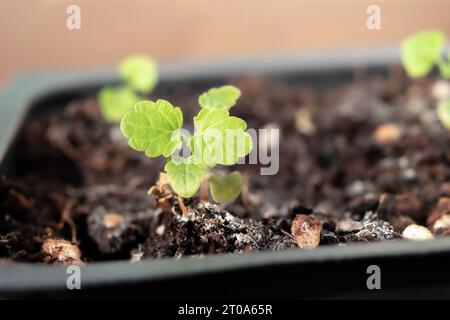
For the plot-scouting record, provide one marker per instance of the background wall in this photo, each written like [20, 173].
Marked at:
[33, 33]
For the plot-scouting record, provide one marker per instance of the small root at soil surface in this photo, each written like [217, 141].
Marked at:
[65, 218]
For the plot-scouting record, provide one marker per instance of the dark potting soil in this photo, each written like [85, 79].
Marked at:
[364, 159]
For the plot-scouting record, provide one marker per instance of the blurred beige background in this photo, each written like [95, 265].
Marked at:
[33, 33]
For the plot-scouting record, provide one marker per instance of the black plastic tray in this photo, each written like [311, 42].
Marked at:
[409, 269]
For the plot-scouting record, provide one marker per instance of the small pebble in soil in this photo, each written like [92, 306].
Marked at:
[160, 230]
[347, 226]
[61, 251]
[112, 220]
[441, 90]
[358, 188]
[439, 217]
[387, 133]
[417, 232]
[409, 175]
[304, 122]
[306, 231]
[443, 223]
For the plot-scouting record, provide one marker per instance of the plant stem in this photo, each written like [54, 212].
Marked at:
[204, 192]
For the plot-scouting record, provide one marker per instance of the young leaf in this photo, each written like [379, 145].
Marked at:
[219, 98]
[152, 127]
[219, 138]
[185, 176]
[420, 52]
[140, 72]
[443, 111]
[115, 102]
[444, 68]
[226, 188]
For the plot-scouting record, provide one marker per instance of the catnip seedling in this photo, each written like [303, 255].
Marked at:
[155, 129]
[140, 76]
[421, 53]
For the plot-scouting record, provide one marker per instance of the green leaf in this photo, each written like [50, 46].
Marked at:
[219, 138]
[443, 111]
[152, 127]
[444, 68]
[420, 52]
[220, 98]
[115, 102]
[185, 176]
[226, 188]
[140, 72]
